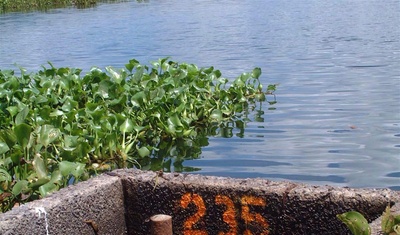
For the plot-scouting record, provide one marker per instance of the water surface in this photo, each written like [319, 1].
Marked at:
[337, 120]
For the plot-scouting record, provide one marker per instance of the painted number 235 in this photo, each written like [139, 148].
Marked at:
[228, 216]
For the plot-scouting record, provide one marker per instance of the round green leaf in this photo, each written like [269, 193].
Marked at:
[127, 126]
[66, 167]
[260, 97]
[143, 151]
[216, 115]
[3, 147]
[256, 73]
[47, 134]
[71, 168]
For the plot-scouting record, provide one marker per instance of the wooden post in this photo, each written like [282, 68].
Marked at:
[161, 225]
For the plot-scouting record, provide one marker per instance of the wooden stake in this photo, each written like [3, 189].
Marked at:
[161, 225]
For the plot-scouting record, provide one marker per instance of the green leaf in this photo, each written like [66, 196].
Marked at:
[36, 184]
[143, 152]
[260, 97]
[132, 64]
[175, 126]
[238, 83]
[82, 149]
[71, 168]
[69, 105]
[70, 141]
[9, 137]
[127, 126]
[13, 110]
[256, 73]
[40, 99]
[56, 177]
[23, 134]
[138, 128]
[5, 93]
[39, 166]
[3, 148]
[20, 187]
[105, 89]
[115, 76]
[4, 176]
[16, 156]
[137, 77]
[356, 222]
[56, 113]
[66, 167]
[21, 116]
[174, 121]
[139, 99]
[12, 83]
[389, 221]
[216, 115]
[79, 170]
[48, 134]
[272, 88]
[48, 188]
[208, 70]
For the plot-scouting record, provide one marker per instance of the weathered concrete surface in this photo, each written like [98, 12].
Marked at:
[122, 202]
[98, 201]
[395, 210]
[210, 205]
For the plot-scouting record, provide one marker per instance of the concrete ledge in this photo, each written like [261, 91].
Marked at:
[80, 209]
[122, 201]
[395, 210]
[209, 205]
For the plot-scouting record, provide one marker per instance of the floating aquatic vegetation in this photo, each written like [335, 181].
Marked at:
[58, 127]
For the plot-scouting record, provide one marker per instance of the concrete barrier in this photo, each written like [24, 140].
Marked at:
[97, 204]
[122, 202]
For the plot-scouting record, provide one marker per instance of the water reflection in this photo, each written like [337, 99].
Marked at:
[170, 155]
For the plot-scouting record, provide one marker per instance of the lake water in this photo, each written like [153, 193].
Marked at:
[337, 119]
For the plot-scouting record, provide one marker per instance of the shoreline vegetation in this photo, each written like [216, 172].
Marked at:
[58, 127]
[7, 6]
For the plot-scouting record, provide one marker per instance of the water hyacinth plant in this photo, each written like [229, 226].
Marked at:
[45, 5]
[58, 128]
[358, 225]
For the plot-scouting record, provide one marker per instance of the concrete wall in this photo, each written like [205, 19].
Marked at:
[78, 209]
[209, 205]
[122, 201]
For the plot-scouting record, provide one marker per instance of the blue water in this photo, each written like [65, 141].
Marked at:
[337, 120]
